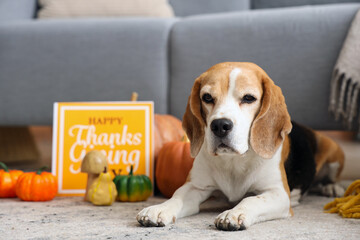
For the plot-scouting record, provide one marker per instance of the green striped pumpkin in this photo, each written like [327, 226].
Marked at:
[133, 188]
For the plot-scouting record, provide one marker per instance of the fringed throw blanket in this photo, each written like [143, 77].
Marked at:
[345, 82]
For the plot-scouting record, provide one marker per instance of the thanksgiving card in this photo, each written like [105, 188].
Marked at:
[123, 131]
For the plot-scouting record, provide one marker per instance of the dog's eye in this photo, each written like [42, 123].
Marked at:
[207, 98]
[248, 99]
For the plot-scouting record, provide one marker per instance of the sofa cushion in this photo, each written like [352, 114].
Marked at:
[104, 8]
[297, 47]
[193, 7]
[80, 60]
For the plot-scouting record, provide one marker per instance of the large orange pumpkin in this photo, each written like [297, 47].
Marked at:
[173, 166]
[167, 129]
[36, 186]
[8, 179]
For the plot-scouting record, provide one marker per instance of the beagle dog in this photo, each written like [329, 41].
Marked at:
[246, 146]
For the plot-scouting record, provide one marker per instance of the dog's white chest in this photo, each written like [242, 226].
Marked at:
[237, 176]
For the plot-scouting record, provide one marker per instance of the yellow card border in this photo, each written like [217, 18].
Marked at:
[58, 128]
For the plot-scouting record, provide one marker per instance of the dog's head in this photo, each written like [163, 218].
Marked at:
[233, 106]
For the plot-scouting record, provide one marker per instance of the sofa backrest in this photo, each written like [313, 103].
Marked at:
[184, 8]
[42, 62]
[27, 9]
[297, 47]
[17, 9]
[256, 4]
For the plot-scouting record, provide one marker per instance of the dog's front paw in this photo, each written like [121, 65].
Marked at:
[231, 220]
[156, 216]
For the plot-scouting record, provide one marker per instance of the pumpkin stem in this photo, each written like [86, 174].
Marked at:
[134, 96]
[131, 170]
[41, 170]
[3, 165]
[113, 170]
[185, 138]
[104, 170]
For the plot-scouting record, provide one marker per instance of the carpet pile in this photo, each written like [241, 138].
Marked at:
[72, 218]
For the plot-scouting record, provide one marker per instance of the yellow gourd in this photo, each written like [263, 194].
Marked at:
[102, 191]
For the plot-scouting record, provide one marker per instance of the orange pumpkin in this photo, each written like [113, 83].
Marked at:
[8, 179]
[167, 129]
[173, 166]
[37, 186]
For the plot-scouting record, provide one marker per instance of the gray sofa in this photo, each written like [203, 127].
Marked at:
[43, 61]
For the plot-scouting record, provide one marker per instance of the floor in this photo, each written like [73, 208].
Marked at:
[72, 218]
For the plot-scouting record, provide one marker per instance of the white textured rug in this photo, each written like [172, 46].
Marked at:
[71, 218]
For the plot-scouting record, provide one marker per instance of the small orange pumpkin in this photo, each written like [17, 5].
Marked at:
[167, 129]
[37, 186]
[8, 179]
[173, 166]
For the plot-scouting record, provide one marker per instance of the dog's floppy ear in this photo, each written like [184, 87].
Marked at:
[193, 122]
[272, 123]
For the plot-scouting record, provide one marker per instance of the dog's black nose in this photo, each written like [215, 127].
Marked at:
[221, 127]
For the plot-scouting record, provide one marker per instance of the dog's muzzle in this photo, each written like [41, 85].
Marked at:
[221, 127]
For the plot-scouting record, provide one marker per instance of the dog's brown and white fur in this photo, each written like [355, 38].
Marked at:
[238, 125]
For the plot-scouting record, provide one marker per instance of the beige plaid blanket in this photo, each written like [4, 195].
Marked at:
[345, 82]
